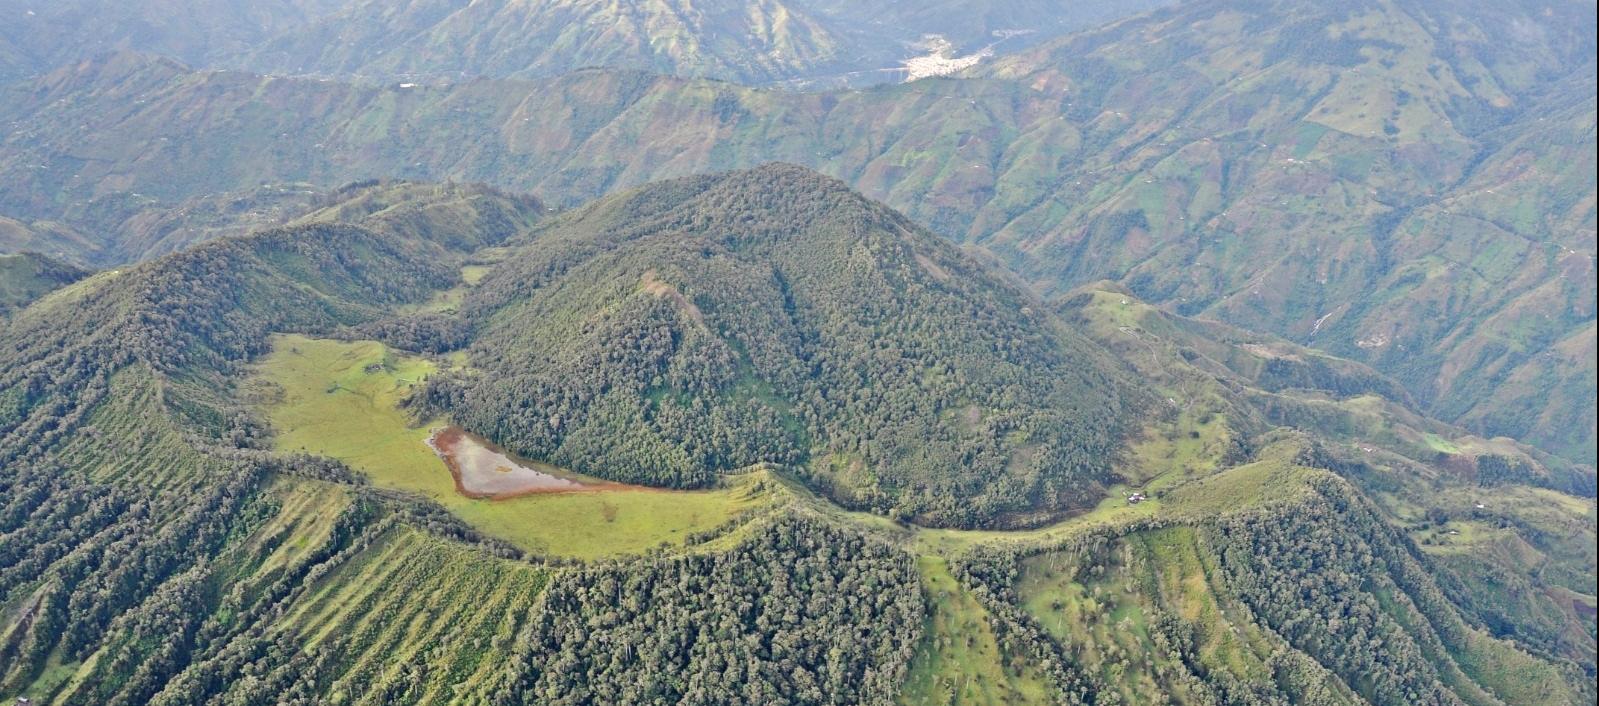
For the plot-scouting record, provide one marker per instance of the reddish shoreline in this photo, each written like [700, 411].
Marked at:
[445, 441]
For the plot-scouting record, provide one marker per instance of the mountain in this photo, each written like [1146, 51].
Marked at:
[176, 467]
[1235, 352]
[1382, 223]
[1425, 489]
[54, 238]
[1151, 151]
[703, 325]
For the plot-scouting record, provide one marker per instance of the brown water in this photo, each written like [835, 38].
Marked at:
[482, 470]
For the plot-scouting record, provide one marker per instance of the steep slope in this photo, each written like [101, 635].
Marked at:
[1444, 236]
[27, 276]
[1485, 512]
[773, 316]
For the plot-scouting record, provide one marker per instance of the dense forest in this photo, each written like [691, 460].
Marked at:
[773, 316]
[211, 597]
[802, 613]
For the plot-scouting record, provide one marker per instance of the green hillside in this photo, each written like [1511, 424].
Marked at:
[1379, 181]
[343, 400]
[229, 501]
[27, 276]
[1256, 604]
[1485, 512]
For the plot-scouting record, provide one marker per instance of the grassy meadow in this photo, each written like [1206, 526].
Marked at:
[959, 661]
[341, 399]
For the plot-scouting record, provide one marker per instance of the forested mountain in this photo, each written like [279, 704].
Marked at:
[1155, 151]
[702, 325]
[775, 306]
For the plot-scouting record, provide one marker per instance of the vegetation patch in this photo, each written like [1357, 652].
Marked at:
[341, 399]
[959, 661]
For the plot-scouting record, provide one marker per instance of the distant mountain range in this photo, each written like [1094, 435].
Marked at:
[37, 35]
[794, 42]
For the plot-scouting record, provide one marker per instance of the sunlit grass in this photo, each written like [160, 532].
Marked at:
[341, 399]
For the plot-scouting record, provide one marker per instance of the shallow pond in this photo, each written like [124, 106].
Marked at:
[483, 470]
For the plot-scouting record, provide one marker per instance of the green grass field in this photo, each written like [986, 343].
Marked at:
[1274, 478]
[341, 399]
[1101, 617]
[959, 660]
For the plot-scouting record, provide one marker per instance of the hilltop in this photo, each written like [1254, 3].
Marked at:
[773, 316]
